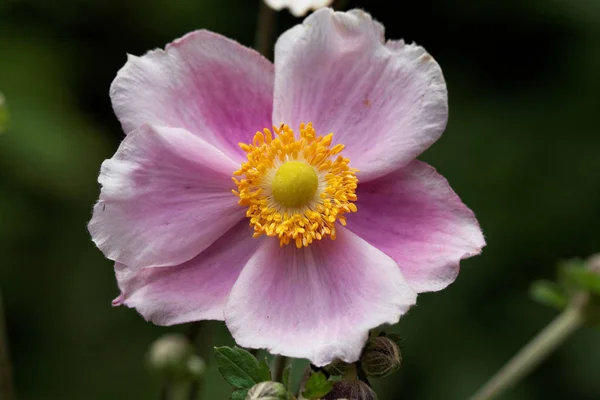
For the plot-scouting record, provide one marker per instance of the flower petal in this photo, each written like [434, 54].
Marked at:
[298, 7]
[318, 302]
[415, 217]
[386, 102]
[195, 290]
[166, 196]
[208, 84]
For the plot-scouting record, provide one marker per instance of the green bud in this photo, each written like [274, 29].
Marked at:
[381, 357]
[337, 367]
[267, 391]
[172, 356]
[195, 367]
[351, 390]
[593, 263]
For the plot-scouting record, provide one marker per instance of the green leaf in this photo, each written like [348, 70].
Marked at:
[565, 270]
[582, 278]
[239, 394]
[287, 377]
[317, 386]
[549, 293]
[240, 368]
[265, 372]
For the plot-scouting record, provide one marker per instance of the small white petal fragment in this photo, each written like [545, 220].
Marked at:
[298, 8]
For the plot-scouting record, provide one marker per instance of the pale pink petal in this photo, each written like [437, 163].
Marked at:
[208, 84]
[413, 216]
[386, 102]
[195, 290]
[318, 302]
[166, 196]
[298, 8]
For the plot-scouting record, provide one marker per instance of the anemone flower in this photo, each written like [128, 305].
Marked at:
[329, 227]
[298, 7]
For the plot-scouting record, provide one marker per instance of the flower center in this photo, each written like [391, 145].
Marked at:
[295, 184]
[295, 189]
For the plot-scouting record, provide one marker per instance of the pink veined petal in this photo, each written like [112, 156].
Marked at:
[208, 84]
[298, 8]
[317, 302]
[166, 196]
[386, 102]
[414, 216]
[195, 290]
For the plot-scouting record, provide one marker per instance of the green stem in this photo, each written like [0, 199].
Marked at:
[278, 366]
[351, 373]
[6, 386]
[305, 375]
[196, 389]
[195, 330]
[166, 391]
[265, 30]
[533, 353]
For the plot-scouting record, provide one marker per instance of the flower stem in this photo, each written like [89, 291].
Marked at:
[305, 375]
[265, 30]
[279, 364]
[193, 334]
[533, 353]
[196, 389]
[6, 385]
[351, 373]
[166, 391]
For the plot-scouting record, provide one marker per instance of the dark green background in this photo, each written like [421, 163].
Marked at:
[521, 149]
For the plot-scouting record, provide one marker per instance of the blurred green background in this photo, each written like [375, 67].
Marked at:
[521, 149]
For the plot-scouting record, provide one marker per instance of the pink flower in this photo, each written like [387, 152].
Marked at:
[298, 7]
[175, 223]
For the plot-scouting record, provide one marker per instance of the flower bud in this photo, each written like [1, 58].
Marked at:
[593, 263]
[337, 367]
[351, 390]
[267, 391]
[381, 357]
[173, 356]
[195, 367]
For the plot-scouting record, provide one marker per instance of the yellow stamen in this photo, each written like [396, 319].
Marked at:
[295, 189]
